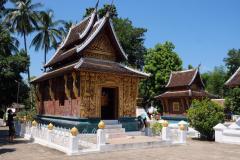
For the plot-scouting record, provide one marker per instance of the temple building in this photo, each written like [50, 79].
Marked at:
[86, 79]
[234, 80]
[182, 88]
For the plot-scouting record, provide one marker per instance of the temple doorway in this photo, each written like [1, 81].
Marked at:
[109, 103]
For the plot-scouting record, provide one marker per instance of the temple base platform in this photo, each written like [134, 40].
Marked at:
[88, 125]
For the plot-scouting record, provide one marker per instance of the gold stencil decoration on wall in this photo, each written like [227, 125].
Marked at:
[38, 93]
[67, 91]
[51, 93]
[75, 88]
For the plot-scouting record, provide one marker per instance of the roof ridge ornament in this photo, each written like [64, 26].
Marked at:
[96, 9]
[109, 9]
[96, 6]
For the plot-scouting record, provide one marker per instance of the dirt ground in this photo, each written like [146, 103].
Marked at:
[193, 150]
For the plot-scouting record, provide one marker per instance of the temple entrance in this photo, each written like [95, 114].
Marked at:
[109, 103]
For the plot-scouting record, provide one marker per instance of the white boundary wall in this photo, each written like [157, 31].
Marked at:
[228, 134]
[57, 138]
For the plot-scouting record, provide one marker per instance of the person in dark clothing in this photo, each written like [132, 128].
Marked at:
[10, 123]
[143, 120]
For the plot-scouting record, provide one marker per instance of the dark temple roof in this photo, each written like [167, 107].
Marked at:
[183, 78]
[81, 35]
[234, 80]
[93, 65]
[186, 93]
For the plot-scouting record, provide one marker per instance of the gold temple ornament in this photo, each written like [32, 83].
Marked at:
[74, 131]
[182, 127]
[165, 123]
[50, 126]
[101, 125]
[34, 123]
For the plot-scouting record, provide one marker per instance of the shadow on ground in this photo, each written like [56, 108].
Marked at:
[202, 139]
[7, 150]
[4, 141]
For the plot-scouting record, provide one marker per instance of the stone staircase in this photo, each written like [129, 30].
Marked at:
[114, 129]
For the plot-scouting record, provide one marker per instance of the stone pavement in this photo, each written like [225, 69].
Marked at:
[194, 150]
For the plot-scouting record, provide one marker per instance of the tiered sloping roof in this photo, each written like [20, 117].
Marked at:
[81, 35]
[78, 39]
[182, 78]
[93, 65]
[234, 80]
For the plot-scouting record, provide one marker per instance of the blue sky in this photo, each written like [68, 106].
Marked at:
[202, 30]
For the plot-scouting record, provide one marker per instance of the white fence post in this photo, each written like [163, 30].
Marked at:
[73, 144]
[73, 141]
[219, 132]
[182, 134]
[165, 131]
[101, 138]
[49, 136]
[182, 131]
[101, 135]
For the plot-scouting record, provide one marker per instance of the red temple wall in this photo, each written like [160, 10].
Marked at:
[70, 108]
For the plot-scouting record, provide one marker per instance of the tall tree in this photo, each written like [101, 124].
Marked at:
[130, 37]
[232, 61]
[12, 64]
[23, 18]
[2, 7]
[214, 81]
[48, 34]
[159, 62]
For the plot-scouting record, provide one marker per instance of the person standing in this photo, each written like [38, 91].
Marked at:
[10, 123]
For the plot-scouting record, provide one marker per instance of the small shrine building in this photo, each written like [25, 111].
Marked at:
[86, 79]
[182, 88]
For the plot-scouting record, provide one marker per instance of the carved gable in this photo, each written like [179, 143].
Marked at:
[101, 48]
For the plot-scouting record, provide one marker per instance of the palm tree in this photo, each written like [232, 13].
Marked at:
[47, 33]
[23, 19]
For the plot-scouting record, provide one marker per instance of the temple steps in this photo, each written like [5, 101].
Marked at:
[114, 129]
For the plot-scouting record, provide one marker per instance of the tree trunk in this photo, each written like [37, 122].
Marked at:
[45, 58]
[28, 69]
[25, 46]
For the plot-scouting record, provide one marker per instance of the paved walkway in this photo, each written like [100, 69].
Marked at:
[194, 150]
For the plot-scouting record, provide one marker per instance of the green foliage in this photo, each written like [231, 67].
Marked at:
[232, 102]
[22, 19]
[130, 37]
[102, 11]
[204, 115]
[29, 114]
[156, 128]
[12, 64]
[190, 66]
[2, 7]
[232, 62]
[159, 62]
[214, 81]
